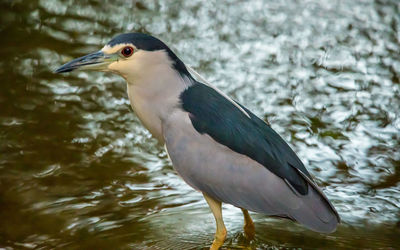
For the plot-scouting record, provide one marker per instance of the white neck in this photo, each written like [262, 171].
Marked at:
[154, 92]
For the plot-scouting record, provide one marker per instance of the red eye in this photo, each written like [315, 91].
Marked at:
[127, 51]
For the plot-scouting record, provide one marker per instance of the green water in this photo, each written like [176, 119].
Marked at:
[78, 170]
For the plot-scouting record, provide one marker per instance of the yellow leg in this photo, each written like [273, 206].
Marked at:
[249, 229]
[220, 234]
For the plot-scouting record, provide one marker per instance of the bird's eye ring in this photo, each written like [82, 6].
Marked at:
[127, 51]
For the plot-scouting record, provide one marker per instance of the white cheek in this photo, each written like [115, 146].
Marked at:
[143, 66]
[113, 67]
[123, 67]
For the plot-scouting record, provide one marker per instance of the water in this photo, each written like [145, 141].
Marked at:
[78, 171]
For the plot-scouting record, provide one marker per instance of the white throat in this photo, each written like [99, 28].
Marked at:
[154, 87]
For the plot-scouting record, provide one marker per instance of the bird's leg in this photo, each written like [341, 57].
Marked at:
[220, 234]
[249, 229]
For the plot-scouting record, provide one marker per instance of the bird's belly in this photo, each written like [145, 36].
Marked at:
[215, 169]
[233, 178]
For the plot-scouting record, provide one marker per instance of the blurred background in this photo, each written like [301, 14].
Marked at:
[78, 170]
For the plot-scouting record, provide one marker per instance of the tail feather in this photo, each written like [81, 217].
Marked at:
[316, 212]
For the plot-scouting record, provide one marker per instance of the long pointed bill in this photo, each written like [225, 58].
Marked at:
[94, 61]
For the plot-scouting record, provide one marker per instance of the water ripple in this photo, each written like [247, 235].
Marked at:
[77, 169]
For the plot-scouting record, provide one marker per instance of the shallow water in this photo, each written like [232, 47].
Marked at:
[78, 171]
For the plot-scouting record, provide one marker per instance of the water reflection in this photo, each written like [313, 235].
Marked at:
[77, 170]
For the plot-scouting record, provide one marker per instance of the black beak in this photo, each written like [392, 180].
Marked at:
[93, 61]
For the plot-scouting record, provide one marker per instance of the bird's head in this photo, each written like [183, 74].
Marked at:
[130, 55]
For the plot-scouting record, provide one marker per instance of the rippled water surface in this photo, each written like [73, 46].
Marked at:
[78, 170]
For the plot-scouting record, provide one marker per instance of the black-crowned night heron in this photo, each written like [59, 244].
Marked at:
[215, 144]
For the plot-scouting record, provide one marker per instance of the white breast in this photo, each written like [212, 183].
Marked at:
[145, 110]
[154, 92]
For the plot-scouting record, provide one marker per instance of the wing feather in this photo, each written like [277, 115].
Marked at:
[245, 133]
[237, 179]
[221, 148]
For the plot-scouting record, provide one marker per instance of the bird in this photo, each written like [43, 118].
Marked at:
[215, 144]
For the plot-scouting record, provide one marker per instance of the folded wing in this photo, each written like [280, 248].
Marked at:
[229, 153]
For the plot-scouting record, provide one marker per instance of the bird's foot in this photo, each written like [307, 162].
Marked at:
[249, 230]
[218, 239]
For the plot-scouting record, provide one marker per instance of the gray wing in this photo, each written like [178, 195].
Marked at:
[239, 129]
[234, 178]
